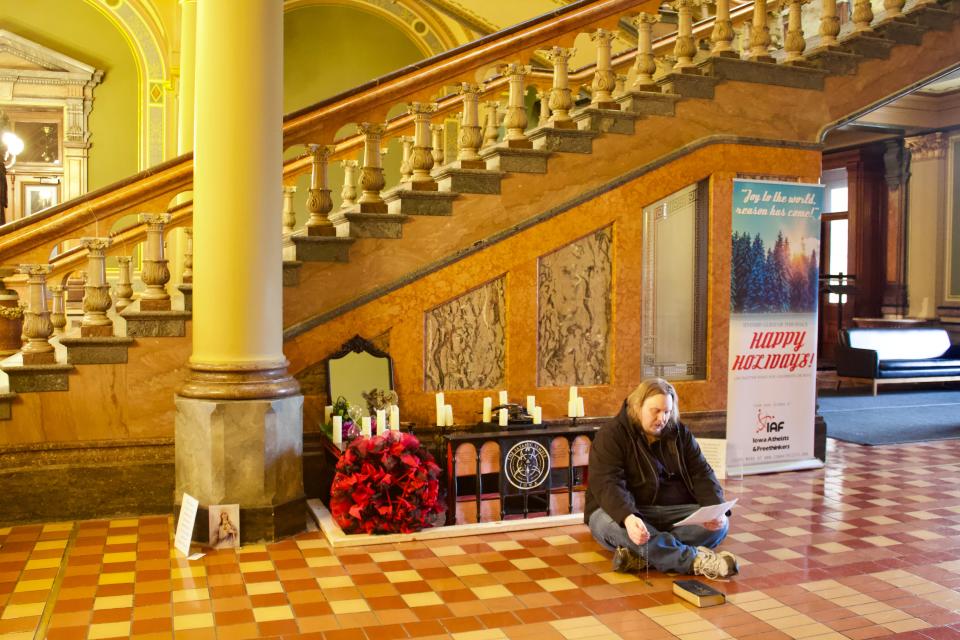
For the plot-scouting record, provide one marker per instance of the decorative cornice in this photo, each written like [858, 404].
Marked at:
[928, 147]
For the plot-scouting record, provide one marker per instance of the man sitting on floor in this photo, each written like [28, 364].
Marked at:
[646, 474]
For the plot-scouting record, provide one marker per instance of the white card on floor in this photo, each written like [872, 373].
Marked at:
[188, 516]
[706, 514]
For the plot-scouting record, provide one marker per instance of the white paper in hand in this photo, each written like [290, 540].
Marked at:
[706, 514]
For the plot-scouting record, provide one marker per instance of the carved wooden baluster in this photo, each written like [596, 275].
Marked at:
[319, 202]
[348, 194]
[437, 149]
[96, 296]
[760, 34]
[289, 216]
[722, 34]
[644, 66]
[470, 134]
[543, 97]
[187, 261]
[862, 16]
[829, 23]
[371, 174]
[155, 273]
[604, 78]
[37, 327]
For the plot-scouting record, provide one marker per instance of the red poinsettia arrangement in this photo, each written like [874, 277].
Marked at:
[386, 484]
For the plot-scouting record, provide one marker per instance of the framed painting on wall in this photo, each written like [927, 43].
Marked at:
[37, 197]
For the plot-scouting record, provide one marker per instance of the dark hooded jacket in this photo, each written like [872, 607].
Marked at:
[622, 475]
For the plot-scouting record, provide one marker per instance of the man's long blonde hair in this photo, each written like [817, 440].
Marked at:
[647, 389]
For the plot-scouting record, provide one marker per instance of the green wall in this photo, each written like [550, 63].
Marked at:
[328, 49]
[76, 29]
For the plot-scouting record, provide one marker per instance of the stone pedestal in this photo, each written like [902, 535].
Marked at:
[420, 202]
[505, 158]
[567, 140]
[649, 103]
[605, 121]
[155, 324]
[463, 177]
[30, 378]
[246, 452]
[320, 249]
[353, 224]
[97, 350]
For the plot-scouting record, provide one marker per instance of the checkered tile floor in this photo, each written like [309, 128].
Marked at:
[867, 548]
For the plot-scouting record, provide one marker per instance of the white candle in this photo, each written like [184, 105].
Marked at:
[381, 420]
[327, 412]
[573, 393]
[448, 415]
[365, 426]
[572, 408]
[537, 415]
[503, 397]
[440, 410]
[580, 412]
[394, 418]
[531, 403]
[337, 430]
[503, 417]
[487, 409]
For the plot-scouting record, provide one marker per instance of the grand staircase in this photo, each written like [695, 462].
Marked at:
[692, 96]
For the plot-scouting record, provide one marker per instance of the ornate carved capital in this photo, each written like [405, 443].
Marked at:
[154, 218]
[602, 36]
[558, 55]
[36, 272]
[929, 147]
[96, 246]
[645, 18]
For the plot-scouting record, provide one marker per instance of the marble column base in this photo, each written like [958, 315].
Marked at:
[187, 290]
[155, 324]
[605, 120]
[566, 140]
[519, 160]
[649, 103]
[97, 350]
[321, 249]
[688, 85]
[32, 378]
[468, 180]
[797, 77]
[246, 452]
[901, 30]
[420, 203]
[353, 224]
[868, 45]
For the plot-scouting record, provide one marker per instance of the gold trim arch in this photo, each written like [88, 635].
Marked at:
[435, 37]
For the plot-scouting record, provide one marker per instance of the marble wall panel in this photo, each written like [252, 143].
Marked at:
[465, 341]
[574, 307]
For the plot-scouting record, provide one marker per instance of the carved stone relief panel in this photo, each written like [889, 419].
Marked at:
[574, 312]
[465, 341]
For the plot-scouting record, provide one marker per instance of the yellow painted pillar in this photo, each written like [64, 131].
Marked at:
[239, 425]
[185, 115]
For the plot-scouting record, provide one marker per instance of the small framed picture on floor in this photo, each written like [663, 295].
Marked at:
[225, 526]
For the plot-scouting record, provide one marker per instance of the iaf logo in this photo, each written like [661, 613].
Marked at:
[527, 464]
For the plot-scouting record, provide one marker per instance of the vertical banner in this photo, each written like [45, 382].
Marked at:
[771, 370]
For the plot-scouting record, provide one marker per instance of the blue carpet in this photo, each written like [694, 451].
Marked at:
[892, 418]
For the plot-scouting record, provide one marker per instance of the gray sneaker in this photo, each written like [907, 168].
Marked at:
[715, 564]
[626, 561]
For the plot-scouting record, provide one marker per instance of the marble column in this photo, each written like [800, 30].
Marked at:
[37, 327]
[124, 290]
[155, 274]
[319, 202]
[96, 298]
[239, 423]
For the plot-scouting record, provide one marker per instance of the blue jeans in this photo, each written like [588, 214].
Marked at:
[669, 549]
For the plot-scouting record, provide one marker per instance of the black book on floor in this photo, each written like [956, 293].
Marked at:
[698, 593]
